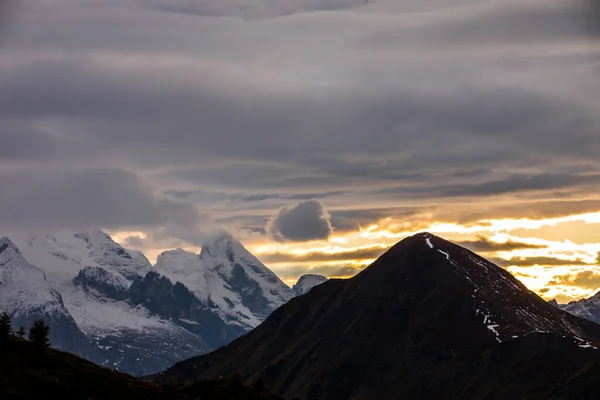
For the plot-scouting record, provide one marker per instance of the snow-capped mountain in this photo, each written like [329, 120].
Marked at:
[111, 306]
[25, 293]
[307, 282]
[62, 254]
[586, 308]
[228, 279]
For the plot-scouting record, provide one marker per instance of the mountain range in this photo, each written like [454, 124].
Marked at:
[110, 305]
[428, 319]
[585, 308]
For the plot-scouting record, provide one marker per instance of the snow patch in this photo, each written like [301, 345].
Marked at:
[428, 241]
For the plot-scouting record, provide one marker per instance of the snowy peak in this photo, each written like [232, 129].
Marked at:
[585, 308]
[224, 253]
[8, 251]
[24, 290]
[106, 252]
[262, 291]
[228, 279]
[62, 254]
[307, 282]
[217, 244]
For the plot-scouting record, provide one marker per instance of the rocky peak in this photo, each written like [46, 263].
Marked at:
[8, 250]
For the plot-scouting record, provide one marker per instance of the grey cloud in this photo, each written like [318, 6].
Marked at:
[343, 220]
[308, 220]
[398, 109]
[19, 141]
[133, 242]
[520, 182]
[107, 198]
[360, 254]
[535, 209]
[255, 10]
[484, 244]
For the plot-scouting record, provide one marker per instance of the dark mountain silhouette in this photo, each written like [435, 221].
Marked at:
[428, 319]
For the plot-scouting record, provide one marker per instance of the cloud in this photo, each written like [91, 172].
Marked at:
[358, 254]
[419, 111]
[484, 244]
[330, 271]
[106, 198]
[256, 9]
[585, 279]
[308, 220]
[532, 261]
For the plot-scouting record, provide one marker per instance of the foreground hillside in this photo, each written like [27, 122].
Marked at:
[25, 373]
[428, 320]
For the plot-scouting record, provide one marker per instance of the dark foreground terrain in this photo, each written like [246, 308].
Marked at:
[27, 373]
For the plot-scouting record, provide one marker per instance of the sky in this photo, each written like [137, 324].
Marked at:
[317, 132]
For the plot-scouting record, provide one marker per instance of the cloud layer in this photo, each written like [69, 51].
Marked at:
[174, 119]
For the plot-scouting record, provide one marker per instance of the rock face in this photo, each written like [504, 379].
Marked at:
[307, 282]
[100, 282]
[177, 303]
[428, 319]
[110, 305]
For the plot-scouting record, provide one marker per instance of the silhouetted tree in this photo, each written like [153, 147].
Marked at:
[21, 332]
[39, 334]
[5, 330]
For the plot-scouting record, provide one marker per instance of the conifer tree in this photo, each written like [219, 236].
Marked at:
[39, 334]
[21, 332]
[5, 330]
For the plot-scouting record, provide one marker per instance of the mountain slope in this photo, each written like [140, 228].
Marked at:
[426, 308]
[307, 282]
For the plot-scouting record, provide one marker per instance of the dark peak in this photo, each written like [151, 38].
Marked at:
[153, 276]
[424, 306]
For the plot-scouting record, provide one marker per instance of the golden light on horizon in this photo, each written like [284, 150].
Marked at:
[533, 250]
